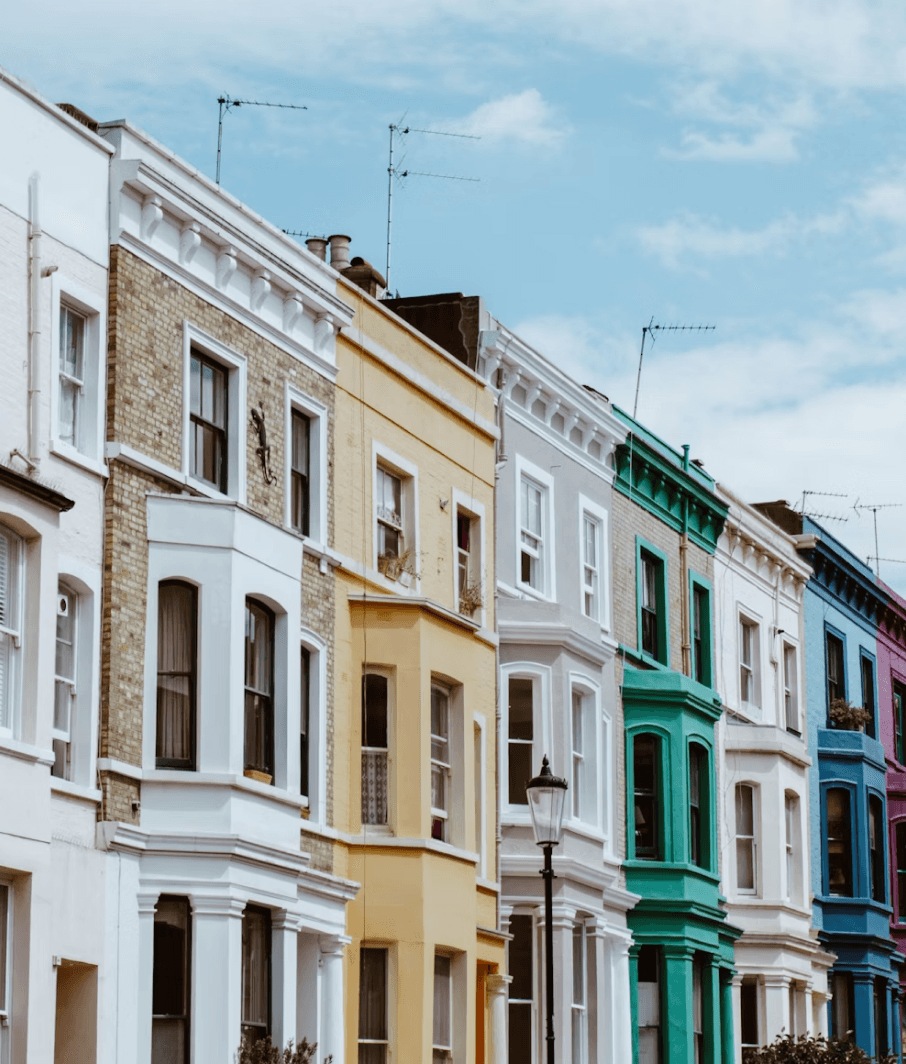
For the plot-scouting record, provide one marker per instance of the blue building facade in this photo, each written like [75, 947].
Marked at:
[850, 857]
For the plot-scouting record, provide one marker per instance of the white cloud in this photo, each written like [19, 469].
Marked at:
[523, 116]
[690, 235]
[766, 146]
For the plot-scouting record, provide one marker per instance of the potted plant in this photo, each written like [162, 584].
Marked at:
[847, 716]
[471, 598]
[398, 567]
[263, 1051]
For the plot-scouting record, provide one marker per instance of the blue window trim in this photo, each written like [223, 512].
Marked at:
[873, 792]
[703, 584]
[663, 620]
[829, 629]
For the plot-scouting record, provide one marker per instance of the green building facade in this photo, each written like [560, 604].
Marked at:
[667, 522]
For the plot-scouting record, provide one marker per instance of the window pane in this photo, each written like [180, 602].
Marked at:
[372, 995]
[304, 725]
[649, 1004]
[839, 853]
[176, 633]
[299, 461]
[521, 701]
[520, 1033]
[171, 982]
[748, 1012]
[520, 957]
[374, 711]
[72, 342]
[442, 1003]
[645, 774]
[256, 943]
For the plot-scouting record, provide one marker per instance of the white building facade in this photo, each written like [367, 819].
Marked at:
[558, 698]
[225, 915]
[53, 328]
[763, 816]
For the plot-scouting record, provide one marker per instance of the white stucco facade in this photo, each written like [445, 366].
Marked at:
[557, 656]
[53, 262]
[781, 970]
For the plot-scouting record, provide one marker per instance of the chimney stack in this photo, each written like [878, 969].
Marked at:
[366, 277]
[317, 245]
[339, 251]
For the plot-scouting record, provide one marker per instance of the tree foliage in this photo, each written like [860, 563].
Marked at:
[263, 1051]
[806, 1049]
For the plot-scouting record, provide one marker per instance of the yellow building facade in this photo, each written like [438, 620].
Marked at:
[414, 735]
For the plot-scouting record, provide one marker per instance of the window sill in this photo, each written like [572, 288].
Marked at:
[189, 778]
[581, 827]
[75, 790]
[75, 457]
[640, 658]
[25, 751]
[527, 591]
[208, 490]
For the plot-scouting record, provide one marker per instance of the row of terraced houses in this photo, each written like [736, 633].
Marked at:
[298, 584]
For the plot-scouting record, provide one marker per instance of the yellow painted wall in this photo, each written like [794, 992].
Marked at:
[416, 897]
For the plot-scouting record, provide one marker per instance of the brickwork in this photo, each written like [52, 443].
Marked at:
[147, 313]
[321, 851]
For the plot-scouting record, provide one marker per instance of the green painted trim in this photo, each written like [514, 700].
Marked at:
[655, 478]
[696, 580]
[644, 689]
[663, 603]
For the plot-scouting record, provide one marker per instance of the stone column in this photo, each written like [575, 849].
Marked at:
[147, 906]
[564, 918]
[333, 1034]
[676, 1024]
[285, 928]
[217, 980]
[808, 1005]
[864, 1018]
[497, 1008]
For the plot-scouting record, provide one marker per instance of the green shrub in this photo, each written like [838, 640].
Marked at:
[806, 1049]
[263, 1051]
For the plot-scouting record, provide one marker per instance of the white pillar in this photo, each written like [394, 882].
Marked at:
[216, 978]
[619, 977]
[147, 906]
[498, 990]
[284, 940]
[776, 1006]
[737, 1022]
[564, 918]
[333, 1033]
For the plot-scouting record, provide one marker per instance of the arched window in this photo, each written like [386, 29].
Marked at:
[10, 628]
[699, 832]
[259, 690]
[177, 645]
[839, 843]
[646, 771]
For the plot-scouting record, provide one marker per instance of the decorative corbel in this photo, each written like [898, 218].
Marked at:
[226, 266]
[189, 242]
[261, 287]
[552, 407]
[152, 216]
[531, 394]
[293, 308]
[512, 379]
[263, 449]
[589, 434]
[325, 327]
[570, 422]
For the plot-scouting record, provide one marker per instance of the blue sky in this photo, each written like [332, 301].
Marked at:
[739, 164]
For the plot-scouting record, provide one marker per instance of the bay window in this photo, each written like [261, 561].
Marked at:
[521, 999]
[10, 629]
[440, 763]
[699, 830]
[520, 723]
[304, 721]
[839, 842]
[790, 689]
[64, 704]
[442, 1034]
[647, 796]
[649, 1005]
[876, 826]
[580, 996]
[176, 674]
[745, 839]
[900, 835]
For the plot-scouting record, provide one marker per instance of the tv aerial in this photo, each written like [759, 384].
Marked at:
[227, 103]
[649, 330]
[873, 509]
[397, 129]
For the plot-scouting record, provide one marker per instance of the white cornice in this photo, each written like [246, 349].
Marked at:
[523, 366]
[540, 633]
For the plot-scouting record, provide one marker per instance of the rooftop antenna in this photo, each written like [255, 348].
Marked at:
[821, 516]
[649, 330]
[226, 105]
[874, 507]
[394, 171]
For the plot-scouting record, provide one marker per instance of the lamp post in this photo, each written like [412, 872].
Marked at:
[546, 799]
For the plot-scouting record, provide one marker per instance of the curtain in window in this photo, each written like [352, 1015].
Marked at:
[175, 673]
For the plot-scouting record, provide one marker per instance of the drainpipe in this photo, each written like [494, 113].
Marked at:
[684, 577]
[34, 320]
[498, 715]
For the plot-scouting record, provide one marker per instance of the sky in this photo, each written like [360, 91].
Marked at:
[735, 164]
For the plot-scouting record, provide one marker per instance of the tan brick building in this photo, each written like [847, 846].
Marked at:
[217, 701]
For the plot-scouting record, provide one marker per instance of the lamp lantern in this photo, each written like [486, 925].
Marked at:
[547, 801]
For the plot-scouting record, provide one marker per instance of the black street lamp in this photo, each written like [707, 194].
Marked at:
[547, 798]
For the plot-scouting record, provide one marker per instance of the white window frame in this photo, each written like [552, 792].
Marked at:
[591, 511]
[790, 690]
[317, 463]
[579, 1009]
[542, 728]
[753, 839]
[475, 510]
[479, 733]
[391, 462]
[445, 767]
[535, 1003]
[13, 633]
[64, 591]
[446, 1050]
[317, 725]
[526, 470]
[92, 306]
[793, 845]
[236, 367]
[592, 814]
[745, 619]
[6, 960]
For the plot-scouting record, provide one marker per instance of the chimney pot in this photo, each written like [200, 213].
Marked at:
[317, 245]
[339, 251]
